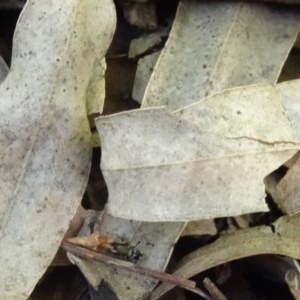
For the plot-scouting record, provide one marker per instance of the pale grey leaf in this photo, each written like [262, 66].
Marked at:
[45, 139]
[217, 45]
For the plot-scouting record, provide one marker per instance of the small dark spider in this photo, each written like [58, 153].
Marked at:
[127, 252]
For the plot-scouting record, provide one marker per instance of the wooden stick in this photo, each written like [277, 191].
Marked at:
[100, 257]
[213, 290]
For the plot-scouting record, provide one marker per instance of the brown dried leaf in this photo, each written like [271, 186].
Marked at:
[200, 227]
[94, 241]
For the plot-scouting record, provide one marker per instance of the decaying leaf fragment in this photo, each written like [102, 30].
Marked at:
[93, 241]
[207, 160]
[285, 191]
[201, 227]
[96, 89]
[155, 241]
[146, 43]
[140, 13]
[142, 75]
[215, 45]
[45, 139]
[282, 238]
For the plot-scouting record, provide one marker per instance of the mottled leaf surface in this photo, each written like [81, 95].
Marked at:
[207, 160]
[217, 45]
[44, 138]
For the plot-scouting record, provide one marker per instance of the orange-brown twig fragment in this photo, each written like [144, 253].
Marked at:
[94, 241]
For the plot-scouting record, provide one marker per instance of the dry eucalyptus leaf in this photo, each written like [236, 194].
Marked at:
[205, 161]
[147, 42]
[288, 93]
[292, 160]
[75, 225]
[217, 45]
[201, 227]
[146, 64]
[142, 44]
[3, 69]
[286, 191]
[45, 138]
[142, 75]
[96, 89]
[156, 241]
[265, 114]
[280, 238]
[241, 222]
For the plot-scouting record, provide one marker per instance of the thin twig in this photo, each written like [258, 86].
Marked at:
[213, 290]
[100, 257]
[293, 284]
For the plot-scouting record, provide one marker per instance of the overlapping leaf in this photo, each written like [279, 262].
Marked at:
[219, 45]
[197, 162]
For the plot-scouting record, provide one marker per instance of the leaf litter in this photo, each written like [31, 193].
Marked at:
[219, 143]
[155, 241]
[279, 238]
[219, 128]
[258, 136]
